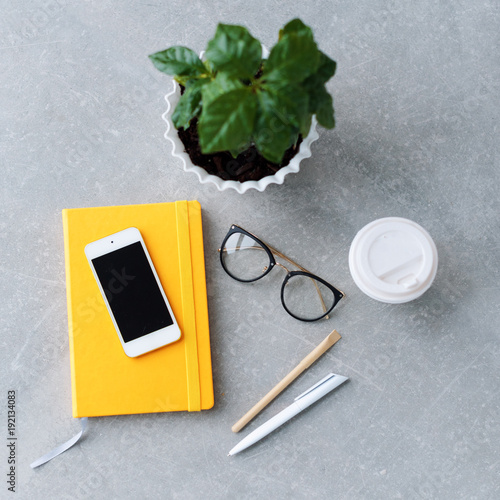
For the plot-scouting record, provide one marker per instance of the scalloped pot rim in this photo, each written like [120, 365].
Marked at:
[179, 152]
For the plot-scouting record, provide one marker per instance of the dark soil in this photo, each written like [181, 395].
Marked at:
[248, 166]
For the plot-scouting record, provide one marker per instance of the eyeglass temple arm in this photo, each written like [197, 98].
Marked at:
[273, 250]
[282, 256]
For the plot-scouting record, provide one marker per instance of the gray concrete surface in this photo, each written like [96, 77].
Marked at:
[416, 97]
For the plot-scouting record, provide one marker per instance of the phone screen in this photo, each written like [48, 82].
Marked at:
[132, 292]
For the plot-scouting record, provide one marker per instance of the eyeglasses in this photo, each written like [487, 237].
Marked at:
[304, 296]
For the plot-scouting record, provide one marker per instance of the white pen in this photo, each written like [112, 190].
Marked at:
[307, 398]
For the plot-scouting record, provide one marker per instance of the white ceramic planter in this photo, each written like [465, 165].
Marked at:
[179, 152]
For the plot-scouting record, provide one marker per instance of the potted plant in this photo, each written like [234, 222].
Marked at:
[242, 114]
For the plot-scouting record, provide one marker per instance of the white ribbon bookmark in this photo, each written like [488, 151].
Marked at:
[61, 448]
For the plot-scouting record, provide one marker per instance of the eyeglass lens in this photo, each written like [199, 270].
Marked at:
[244, 258]
[306, 298]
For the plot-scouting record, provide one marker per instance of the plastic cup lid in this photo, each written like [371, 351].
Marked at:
[393, 260]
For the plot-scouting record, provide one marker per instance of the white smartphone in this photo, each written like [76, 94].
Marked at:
[132, 292]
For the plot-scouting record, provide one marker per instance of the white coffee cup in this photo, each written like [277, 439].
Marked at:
[393, 260]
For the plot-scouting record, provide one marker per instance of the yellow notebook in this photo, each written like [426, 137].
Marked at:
[105, 381]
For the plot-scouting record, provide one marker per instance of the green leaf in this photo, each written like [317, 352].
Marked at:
[228, 121]
[292, 102]
[326, 68]
[315, 85]
[189, 104]
[234, 51]
[324, 108]
[236, 152]
[220, 85]
[292, 59]
[178, 61]
[274, 133]
[294, 26]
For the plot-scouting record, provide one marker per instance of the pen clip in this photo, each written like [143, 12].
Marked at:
[315, 386]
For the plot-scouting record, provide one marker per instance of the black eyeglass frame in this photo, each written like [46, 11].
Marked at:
[290, 274]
